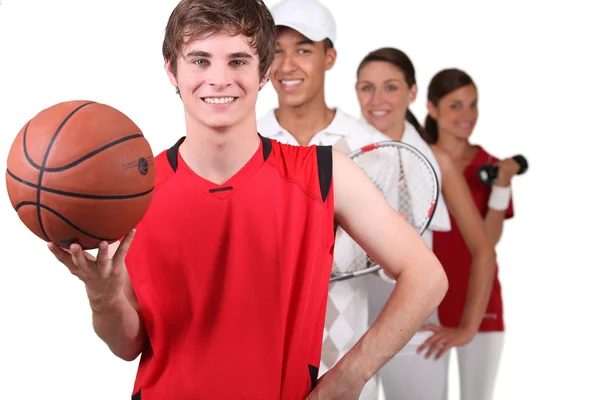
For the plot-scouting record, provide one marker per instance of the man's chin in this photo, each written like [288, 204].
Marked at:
[219, 125]
[287, 100]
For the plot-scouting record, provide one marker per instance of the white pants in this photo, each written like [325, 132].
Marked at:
[410, 376]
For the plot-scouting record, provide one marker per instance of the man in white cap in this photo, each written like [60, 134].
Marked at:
[306, 35]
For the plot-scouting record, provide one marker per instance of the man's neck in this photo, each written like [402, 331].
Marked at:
[217, 155]
[306, 120]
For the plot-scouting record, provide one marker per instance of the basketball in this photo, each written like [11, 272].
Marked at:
[80, 171]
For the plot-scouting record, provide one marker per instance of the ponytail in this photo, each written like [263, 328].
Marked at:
[410, 117]
[430, 133]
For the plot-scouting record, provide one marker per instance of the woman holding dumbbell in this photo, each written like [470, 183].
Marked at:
[452, 107]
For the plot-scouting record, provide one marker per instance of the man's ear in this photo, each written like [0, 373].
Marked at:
[330, 57]
[265, 79]
[171, 74]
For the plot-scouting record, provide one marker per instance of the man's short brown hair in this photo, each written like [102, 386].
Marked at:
[198, 19]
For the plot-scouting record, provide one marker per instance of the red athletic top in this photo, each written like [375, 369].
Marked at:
[232, 279]
[455, 257]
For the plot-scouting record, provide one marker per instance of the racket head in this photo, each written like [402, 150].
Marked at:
[407, 181]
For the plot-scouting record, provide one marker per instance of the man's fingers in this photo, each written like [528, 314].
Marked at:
[77, 254]
[103, 258]
[63, 256]
[89, 257]
[119, 257]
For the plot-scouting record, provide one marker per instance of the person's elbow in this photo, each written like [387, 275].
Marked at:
[442, 283]
[428, 278]
[129, 353]
[129, 356]
[438, 281]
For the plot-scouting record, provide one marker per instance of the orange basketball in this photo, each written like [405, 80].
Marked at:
[80, 171]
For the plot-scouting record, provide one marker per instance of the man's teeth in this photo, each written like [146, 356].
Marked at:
[219, 100]
[291, 83]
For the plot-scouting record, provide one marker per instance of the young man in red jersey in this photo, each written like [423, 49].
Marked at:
[224, 289]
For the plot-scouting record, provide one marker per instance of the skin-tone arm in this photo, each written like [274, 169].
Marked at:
[494, 219]
[463, 209]
[395, 245]
[115, 309]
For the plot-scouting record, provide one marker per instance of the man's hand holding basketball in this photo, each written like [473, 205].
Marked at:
[103, 276]
[116, 312]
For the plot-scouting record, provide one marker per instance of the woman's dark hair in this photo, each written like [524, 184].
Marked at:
[403, 63]
[443, 83]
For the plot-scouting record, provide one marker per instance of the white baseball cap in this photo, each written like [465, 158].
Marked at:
[309, 17]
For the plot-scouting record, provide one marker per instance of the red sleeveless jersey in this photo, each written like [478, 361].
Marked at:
[232, 279]
[454, 255]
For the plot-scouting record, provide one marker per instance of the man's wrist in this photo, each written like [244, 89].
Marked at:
[354, 367]
[103, 303]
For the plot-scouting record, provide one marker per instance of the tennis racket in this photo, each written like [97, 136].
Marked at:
[407, 181]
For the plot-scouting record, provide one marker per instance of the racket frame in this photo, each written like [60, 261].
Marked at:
[433, 207]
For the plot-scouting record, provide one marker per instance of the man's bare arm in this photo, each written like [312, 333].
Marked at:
[396, 246]
[115, 310]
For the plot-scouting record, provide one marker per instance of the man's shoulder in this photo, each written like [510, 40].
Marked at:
[163, 167]
[307, 167]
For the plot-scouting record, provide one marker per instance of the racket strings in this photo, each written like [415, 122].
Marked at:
[406, 181]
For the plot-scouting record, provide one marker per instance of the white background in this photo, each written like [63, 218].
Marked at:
[536, 66]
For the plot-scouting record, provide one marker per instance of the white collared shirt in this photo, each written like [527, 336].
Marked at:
[347, 303]
[343, 126]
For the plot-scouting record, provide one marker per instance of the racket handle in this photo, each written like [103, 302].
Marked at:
[488, 173]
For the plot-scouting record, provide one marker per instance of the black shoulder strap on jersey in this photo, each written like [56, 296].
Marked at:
[173, 151]
[172, 154]
[325, 165]
[267, 146]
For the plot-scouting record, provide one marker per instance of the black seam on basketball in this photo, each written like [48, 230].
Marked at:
[29, 159]
[91, 154]
[79, 195]
[72, 225]
[45, 160]
[25, 152]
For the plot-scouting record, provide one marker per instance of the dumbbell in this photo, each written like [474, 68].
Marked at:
[488, 173]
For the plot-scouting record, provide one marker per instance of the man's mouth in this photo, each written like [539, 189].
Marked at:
[218, 100]
[291, 83]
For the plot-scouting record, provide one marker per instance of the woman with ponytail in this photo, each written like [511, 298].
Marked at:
[385, 87]
[453, 113]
